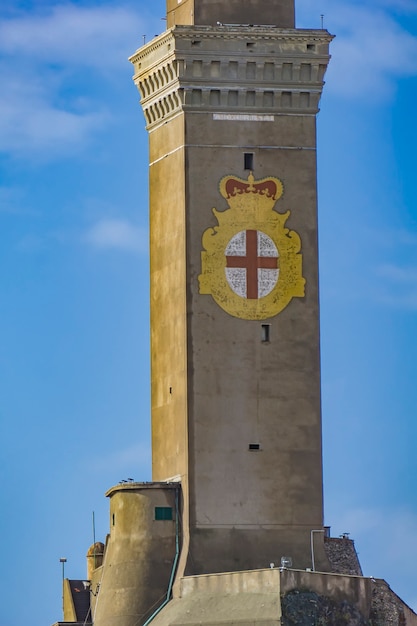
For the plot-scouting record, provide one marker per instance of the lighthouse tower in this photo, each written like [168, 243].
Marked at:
[230, 93]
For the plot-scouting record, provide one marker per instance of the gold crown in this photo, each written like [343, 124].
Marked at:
[233, 188]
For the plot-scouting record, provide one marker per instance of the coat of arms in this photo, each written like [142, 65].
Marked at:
[251, 264]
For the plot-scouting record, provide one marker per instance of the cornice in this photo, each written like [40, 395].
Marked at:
[152, 46]
[251, 33]
[176, 72]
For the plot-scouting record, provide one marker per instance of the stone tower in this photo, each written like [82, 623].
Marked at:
[230, 94]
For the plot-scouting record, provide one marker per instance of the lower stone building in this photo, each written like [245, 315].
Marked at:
[131, 580]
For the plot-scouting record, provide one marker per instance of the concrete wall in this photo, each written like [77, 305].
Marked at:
[244, 391]
[257, 597]
[244, 598]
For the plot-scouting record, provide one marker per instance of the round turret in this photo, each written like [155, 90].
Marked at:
[95, 556]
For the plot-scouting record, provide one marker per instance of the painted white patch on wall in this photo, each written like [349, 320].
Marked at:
[239, 117]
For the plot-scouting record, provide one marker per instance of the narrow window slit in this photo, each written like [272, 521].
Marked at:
[248, 161]
[254, 446]
[266, 333]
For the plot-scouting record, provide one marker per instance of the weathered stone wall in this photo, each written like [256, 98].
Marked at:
[307, 608]
[387, 609]
[342, 556]
[356, 591]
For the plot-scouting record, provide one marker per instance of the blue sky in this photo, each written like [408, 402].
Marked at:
[74, 358]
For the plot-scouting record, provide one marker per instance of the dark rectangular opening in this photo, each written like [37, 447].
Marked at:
[266, 333]
[248, 161]
[254, 446]
[163, 513]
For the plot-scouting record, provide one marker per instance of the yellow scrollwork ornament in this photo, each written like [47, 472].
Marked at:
[251, 264]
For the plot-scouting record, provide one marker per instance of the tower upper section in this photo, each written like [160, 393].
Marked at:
[213, 12]
[231, 69]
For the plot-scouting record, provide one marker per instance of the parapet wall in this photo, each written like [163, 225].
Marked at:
[285, 598]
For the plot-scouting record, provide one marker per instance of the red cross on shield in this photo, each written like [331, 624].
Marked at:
[252, 264]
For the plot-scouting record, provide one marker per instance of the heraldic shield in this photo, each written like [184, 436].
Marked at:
[251, 264]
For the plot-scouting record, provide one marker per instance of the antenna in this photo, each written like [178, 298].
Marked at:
[94, 539]
[322, 21]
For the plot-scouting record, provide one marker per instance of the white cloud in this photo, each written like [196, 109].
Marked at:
[71, 34]
[371, 50]
[31, 123]
[54, 65]
[105, 234]
[117, 234]
[371, 53]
